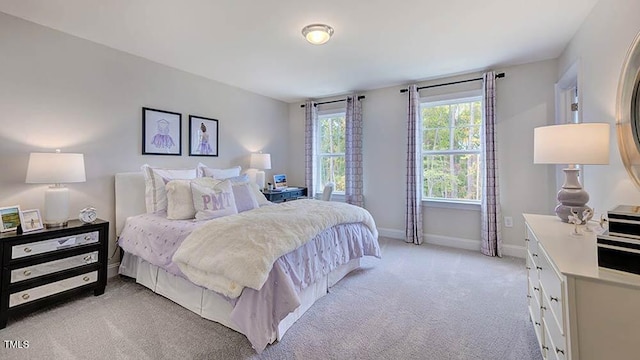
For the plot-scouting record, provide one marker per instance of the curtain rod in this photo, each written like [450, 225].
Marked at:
[498, 76]
[333, 101]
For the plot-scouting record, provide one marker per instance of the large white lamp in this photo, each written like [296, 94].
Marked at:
[56, 169]
[261, 162]
[572, 144]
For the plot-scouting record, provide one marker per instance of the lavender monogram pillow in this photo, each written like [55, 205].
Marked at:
[212, 198]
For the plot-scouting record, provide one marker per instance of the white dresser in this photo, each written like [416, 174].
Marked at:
[579, 311]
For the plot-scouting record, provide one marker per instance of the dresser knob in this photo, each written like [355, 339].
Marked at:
[25, 296]
[538, 267]
[559, 351]
[528, 296]
[543, 308]
[27, 272]
[528, 268]
[27, 249]
[86, 278]
[537, 323]
[536, 288]
[534, 255]
[87, 237]
[527, 240]
[545, 347]
[553, 298]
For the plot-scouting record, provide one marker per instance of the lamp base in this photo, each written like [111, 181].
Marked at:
[572, 197]
[56, 206]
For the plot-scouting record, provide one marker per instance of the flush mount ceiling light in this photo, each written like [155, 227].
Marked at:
[317, 34]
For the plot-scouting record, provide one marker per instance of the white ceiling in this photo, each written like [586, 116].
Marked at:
[257, 44]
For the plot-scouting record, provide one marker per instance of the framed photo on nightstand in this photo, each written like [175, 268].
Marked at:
[31, 220]
[10, 216]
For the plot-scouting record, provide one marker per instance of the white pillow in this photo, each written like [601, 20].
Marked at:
[260, 198]
[205, 171]
[155, 179]
[180, 200]
[245, 199]
[212, 198]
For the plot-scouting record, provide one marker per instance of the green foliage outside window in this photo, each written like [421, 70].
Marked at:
[451, 150]
[330, 151]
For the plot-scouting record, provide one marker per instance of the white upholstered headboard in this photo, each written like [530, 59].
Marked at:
[130, 189]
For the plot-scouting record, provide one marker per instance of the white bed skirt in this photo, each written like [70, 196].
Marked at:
[209, 304]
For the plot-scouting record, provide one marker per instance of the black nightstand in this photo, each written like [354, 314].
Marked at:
[44, 266]
[285, 195]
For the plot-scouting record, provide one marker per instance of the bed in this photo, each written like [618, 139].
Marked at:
[263, 314]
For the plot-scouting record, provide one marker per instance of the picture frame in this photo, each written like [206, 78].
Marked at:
[203, 136]
[161, 132]
[31, 220]
[10, 216]
[280, 181]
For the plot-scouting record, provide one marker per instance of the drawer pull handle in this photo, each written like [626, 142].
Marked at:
[86, 278]
[87, 258]
[559, 351]
[528, 267]
[543, 308]
[536, 288]
[538, 267]
[553, 298]
[527, 240]
[25, 296]
[87, 237]
[528, 296]
[27, 249]
[27, 272]
[534, 255]
[537, 323]
[546, 348]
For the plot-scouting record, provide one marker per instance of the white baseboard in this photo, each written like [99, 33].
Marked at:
[112, 270]
[459, 243]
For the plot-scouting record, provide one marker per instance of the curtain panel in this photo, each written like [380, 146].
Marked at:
[310, 120]
[353, 152]
[491, 235]
[413, 213]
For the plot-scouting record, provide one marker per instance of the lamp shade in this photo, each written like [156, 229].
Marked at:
[55, 168]
[260, 161]
[584, 143]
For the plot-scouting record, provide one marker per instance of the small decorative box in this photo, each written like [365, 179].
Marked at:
[624, 221]
[619, 253]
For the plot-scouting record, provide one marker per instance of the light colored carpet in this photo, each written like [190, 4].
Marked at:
[418, 302]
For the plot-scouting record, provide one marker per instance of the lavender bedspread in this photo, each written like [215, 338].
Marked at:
[257, 313]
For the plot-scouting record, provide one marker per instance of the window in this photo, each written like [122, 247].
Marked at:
[451, 149]
[330, 148]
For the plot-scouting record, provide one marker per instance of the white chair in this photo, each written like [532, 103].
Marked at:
[328, 191]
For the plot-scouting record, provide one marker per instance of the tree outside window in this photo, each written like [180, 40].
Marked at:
[451, 149]
[330, 151]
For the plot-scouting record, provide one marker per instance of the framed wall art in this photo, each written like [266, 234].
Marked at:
[31, 220]
[203, 136]
[10, 216]
[161, 132]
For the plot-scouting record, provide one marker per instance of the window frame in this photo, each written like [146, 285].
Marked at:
[328, 113]
[445, 99]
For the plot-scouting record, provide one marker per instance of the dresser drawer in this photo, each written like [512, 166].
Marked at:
[23, 297]
[41, 247]
[532, 269]
[553, 286]
[536, 314]
[34, 271]
[554, 340]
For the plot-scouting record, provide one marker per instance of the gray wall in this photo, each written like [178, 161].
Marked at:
[59, 91]
[525, 101]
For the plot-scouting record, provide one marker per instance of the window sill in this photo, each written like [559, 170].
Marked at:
[451, 204]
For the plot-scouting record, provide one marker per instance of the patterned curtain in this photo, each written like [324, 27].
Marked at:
[413, 213]
[491, 232]
[310, 120]
[353, 152]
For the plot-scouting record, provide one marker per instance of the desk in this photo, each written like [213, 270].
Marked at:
[285, 195]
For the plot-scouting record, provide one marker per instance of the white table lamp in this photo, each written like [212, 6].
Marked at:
[261, 162]
[572, 144]
[56, 169]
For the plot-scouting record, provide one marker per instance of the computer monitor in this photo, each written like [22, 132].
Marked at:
[280, 181]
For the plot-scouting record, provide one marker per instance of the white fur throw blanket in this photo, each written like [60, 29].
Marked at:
[232, 252]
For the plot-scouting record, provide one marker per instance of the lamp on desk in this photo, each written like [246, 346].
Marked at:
[572, 144]
[56, 169]
[260, 162]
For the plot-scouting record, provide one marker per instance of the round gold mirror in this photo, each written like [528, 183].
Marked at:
[628, 112]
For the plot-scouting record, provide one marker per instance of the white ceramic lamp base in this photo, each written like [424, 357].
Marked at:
[260, 179]
[572, 197]
[56, 206]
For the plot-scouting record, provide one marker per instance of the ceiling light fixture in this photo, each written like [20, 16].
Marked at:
[317, 34]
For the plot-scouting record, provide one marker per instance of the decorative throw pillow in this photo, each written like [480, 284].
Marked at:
[245, 199]
[179, 200]
[155, 180]
[262, 200]
[205, 171]
[212, 198]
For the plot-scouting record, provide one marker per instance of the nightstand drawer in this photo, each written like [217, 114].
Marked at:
[23, 297]
[20, 251]
[34, 271]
